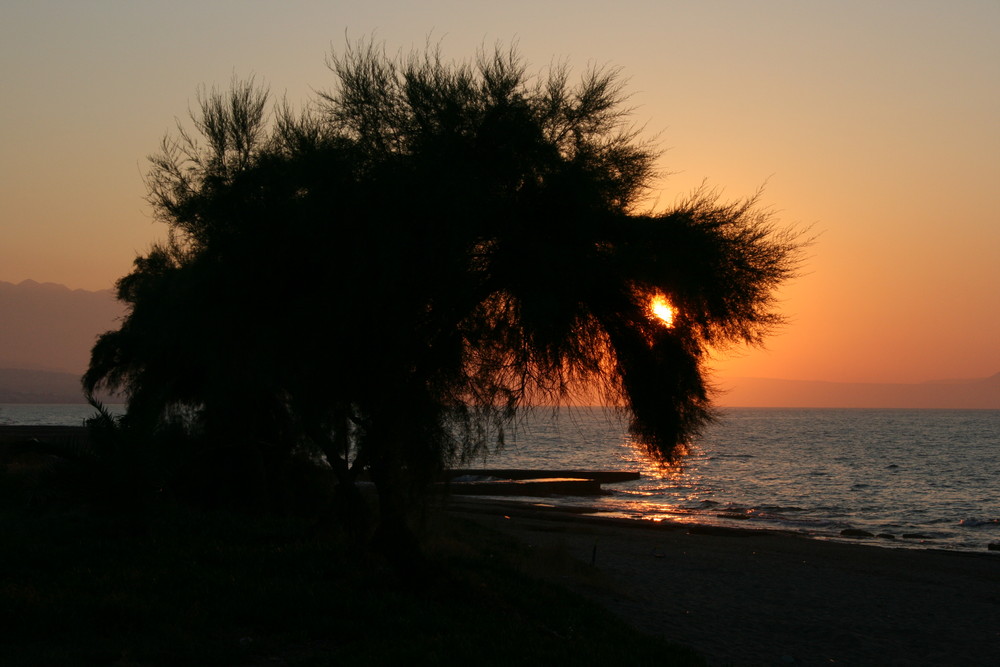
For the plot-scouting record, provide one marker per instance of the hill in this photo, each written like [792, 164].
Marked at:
[49, 327]
[18, 385]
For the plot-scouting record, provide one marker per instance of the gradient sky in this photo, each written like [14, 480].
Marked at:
[876, 122]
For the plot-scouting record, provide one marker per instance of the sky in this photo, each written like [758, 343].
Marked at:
[875, 124]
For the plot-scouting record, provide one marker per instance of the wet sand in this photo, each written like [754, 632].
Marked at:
[754, 598]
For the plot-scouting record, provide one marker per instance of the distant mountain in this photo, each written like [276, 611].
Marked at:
[25, 386]
[49, 327]
[955, 394]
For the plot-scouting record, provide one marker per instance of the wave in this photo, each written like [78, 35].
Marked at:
[978, 523]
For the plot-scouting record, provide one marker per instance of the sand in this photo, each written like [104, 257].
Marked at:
[754, 598]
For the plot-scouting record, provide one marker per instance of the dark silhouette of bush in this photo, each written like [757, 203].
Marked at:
[382, 280]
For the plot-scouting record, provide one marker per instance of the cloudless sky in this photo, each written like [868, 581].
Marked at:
[875, 121]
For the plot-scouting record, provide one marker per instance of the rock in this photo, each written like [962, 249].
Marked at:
[886, 536]
[993, 546]
[695, 529]
[855, 532]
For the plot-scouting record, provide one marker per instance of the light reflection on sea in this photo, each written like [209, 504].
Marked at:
[923, 477]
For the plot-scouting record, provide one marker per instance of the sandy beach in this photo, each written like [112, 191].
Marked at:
[743, 597]
[754, 598]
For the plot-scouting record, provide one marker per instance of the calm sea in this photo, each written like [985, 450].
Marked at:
[931, 475]
[49, 415]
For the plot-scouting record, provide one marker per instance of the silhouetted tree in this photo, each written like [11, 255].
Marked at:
[387, 277]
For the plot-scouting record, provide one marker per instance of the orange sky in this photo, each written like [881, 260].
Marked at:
[875, 122]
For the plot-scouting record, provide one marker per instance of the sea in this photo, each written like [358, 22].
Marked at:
[908, 478]
[917, 478]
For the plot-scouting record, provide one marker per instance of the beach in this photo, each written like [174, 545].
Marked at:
[743, 597]
[768, 598]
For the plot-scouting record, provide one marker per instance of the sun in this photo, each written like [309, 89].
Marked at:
[662, 310]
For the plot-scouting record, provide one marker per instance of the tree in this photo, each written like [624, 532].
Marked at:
[389, 276]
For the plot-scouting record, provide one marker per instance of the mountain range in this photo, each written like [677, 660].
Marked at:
[47, 331]
[50, 327]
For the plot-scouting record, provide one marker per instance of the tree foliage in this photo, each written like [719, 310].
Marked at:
[386, 277]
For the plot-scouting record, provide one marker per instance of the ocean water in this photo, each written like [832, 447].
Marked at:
[50, 415]
[931, 475]
[928, 478]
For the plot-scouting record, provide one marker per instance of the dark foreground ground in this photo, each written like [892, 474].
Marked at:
[88, 578]
[504, 584]
[752, 598]
[183, 589]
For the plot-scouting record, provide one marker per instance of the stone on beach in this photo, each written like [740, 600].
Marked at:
[856, 532]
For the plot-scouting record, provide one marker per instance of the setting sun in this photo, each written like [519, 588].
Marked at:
[662, 310]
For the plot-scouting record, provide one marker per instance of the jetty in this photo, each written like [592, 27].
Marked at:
[528, 482]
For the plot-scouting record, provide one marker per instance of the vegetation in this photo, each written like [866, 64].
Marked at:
[381, 281]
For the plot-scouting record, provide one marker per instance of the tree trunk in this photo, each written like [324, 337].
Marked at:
[394, 536]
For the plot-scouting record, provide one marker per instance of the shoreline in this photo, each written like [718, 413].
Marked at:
[554, 512]
[747, 597]
[534, 486]
[583, 505]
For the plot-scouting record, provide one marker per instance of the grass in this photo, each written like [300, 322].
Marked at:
[174, 586]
